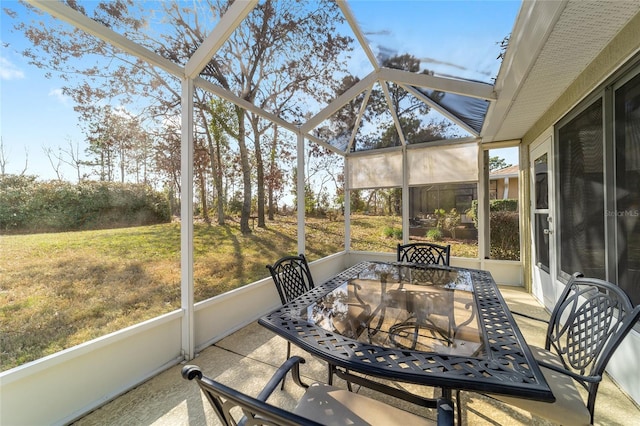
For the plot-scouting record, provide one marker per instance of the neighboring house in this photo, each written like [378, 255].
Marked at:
[503, 183]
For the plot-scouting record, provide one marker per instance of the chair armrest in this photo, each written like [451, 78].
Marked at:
[191, 372]
[578, 377]
[386, 389]
[292, 364]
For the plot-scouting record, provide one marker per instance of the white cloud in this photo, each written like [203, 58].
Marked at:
[8, 71]
[61, 97]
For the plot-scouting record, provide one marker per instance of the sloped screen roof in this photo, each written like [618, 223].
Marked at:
[396, 73]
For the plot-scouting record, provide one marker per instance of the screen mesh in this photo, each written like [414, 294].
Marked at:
[443, 164]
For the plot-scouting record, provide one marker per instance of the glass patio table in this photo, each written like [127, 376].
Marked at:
[430, 325]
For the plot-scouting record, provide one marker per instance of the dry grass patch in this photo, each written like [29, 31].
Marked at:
[62, 289]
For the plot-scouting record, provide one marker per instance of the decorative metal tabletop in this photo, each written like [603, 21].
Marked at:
[483, 351]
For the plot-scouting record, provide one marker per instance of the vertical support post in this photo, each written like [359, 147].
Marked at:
[347, 205]
[405, 196]
[524, 207]
[301, 193]
[484, 230]
[186, 219]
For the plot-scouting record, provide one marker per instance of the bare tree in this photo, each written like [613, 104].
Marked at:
[271, 44]
[275, 175]
[71, 156]
[222, 123]
[4, 160]
[55, 159]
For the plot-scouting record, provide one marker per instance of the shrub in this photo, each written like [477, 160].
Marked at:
[494, 205]
[434, 234]
[440, 216]
[397, 232]
[31, 206]
[505, 235]
[14, 200]
[505, 231]
[451, 221]
[392, 232]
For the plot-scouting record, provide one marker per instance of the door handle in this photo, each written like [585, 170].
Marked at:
[547, 231]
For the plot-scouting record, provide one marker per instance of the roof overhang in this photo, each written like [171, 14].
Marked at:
[551, 45]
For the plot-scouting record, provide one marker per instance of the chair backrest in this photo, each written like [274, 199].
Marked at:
[253, 411]
[427, 253]
[587, 324]
[292, 277]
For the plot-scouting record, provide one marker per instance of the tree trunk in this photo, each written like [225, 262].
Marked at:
[217, 178]
[259, 170]
[203, 195]
[122, 167]
[272, 167]
[246, 174]
[215, 161]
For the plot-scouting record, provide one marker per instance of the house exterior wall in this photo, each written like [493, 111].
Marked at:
[512, 188]
[624, 366]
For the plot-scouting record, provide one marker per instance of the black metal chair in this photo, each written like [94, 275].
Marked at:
[587, 324]
[292, 277]
[427, 253]
[320, 405]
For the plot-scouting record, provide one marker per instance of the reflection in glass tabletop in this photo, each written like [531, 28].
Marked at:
[404, 306]
[414, 324]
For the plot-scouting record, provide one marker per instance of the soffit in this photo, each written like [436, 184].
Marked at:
[582, 31]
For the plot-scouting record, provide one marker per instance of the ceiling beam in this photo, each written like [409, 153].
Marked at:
[346, 11]
[393, 112]
[78, 20]
[339, 102]
[363, 108]
[225, 27]
[460, 87]
[248, 106]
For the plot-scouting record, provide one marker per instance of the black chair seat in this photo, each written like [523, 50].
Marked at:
[588, 323]
[320, 405]
[569, 408]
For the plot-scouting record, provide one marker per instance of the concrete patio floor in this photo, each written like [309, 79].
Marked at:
[246, 360]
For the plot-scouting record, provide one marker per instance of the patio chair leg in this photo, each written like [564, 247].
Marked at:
[458, 407]
[348, 383]
[330, 378]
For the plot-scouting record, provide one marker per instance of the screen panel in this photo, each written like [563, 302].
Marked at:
[375, 171]
[443, 164]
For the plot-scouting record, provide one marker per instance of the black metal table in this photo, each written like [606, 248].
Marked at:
[438, 326]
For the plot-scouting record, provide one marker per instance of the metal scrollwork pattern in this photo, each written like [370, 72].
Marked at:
[505, 368]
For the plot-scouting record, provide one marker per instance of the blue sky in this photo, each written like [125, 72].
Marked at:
[33, 111]
[460, 33]
[35, 115]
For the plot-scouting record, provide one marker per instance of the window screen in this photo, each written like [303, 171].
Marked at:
[581, 179]
[627, 213]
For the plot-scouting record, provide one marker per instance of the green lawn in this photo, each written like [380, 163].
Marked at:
[59, 290]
